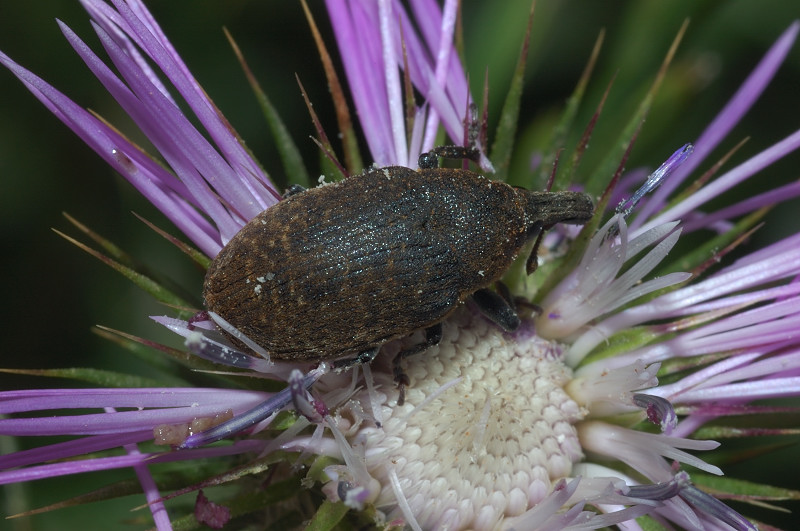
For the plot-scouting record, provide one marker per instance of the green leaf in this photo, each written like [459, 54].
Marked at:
[564, 126]
[110, 248]
[198, 257]
[247, 502]
[283, 420]
[255, 501]
[622, 342]
[710, 250]
[327, 516]
[747, 491]
[755, 447]
[146, 283]
[648, 524]
[732, 432]
[599, 177]
[352, 156]
[293, 165]
[191, 370]
[92, 376]
[149, 351]
[317, 469]
[115, 490]
[126, 260]
[509, 116]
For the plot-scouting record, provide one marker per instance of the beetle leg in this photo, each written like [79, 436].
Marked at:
[294, 190]
[497, 309]
[533, 259]
[430, 159]
[362, 358]
[433, 335]
[504, 292]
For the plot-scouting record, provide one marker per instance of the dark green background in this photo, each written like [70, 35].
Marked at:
[54, 293]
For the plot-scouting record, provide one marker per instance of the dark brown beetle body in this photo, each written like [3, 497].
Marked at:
[338, 270]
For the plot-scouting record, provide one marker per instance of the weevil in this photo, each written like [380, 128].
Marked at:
[334, 272]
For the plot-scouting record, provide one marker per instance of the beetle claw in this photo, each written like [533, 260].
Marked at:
[433, 335]
[497, 308]
[363, 357]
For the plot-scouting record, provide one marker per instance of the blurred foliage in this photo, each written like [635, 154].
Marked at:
[54, 293]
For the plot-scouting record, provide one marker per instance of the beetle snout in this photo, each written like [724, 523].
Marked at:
[560, 207]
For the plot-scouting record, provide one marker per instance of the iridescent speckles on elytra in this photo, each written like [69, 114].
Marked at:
[487, 447]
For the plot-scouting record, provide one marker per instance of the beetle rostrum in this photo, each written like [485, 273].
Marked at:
[334, 272]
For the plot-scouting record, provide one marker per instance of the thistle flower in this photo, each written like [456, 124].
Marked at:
[591, 414]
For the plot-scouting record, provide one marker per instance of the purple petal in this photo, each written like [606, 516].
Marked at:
[371, 48]
[152, 495]
[388, 25]
[108, 463]
[659, 411]
[655, 179]
[253, 416]
[765, 199]
[177, 406]
[138, 24]
[746, 391]
[105, 423]
[218, 179]
[359, 45]
[709, 506]
[730, 115]
[73, 448]
[727, 181]
[42, 399]
[741, 281]
[183, 147]
[153, 181]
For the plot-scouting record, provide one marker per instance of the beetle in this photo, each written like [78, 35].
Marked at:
[334, 272]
